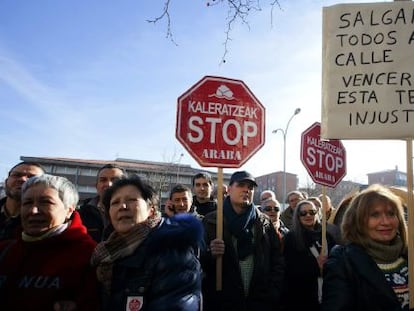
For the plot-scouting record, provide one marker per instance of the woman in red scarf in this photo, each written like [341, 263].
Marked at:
[48, 267]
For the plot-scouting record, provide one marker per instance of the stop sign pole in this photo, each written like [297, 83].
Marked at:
[325, 161]
[221, 124]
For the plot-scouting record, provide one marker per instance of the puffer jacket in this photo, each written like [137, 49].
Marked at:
[163, 273]
[354, 282]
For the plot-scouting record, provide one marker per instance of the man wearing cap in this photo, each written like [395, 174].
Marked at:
[252, 264]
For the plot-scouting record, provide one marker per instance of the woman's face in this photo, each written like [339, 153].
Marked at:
[272, 210]
[128, 208]
[307, 215]
[42, 209]
[382, 223]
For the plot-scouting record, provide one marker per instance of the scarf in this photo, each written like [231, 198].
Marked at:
[240, 226]
[120, 246]
[385, 253]
[52, 232]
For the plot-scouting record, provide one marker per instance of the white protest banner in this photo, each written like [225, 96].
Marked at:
[368, 71]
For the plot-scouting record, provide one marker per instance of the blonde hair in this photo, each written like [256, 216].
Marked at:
[354, 223]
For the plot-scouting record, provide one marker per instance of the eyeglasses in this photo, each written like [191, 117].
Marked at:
[271, 208]
[311, 212]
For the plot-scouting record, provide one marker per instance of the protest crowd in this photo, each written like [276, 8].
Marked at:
[120, 251]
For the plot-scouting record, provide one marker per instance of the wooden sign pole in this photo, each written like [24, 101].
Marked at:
[410, 224]
[219, 227]
[324, 250]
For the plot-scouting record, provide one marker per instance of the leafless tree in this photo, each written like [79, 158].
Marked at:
[237, 11]
[164, 175]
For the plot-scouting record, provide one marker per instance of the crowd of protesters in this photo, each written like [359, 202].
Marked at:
[120, 251]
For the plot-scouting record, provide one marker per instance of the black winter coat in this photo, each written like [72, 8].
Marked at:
[10, 227]
[300, 287]
[267, 278]
[354, 282]
[164, 271]
[94, 220]
[203, 208]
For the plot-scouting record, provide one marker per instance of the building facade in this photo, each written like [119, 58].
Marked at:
[388, 178]
[161, 175]
[274, 182]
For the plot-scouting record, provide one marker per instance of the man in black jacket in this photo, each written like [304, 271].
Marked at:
[203, 202]
[252, 263]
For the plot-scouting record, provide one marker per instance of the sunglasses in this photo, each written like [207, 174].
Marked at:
[270, 208]
[311, 212]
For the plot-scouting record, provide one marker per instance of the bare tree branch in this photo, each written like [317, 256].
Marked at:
[165, 14]
[237, 10]
[273, 4]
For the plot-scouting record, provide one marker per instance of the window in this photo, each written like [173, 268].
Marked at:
[88, 171]
[66, 170]
[86, 189]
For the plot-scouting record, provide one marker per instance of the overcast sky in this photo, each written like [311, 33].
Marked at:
[94, 80]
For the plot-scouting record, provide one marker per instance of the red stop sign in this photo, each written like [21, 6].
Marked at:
[220, 122]
[325, 160]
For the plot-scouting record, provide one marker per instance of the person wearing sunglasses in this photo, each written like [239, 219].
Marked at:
[304, 259]
[271, 207]
[333, 229]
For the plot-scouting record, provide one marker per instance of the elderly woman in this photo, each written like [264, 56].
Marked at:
[370, 272]
[304, 259]
[48, 267]
[148, 262]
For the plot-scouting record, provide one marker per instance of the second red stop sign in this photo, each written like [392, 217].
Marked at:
[325, 160]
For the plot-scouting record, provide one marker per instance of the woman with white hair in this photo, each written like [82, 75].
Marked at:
[47, 268]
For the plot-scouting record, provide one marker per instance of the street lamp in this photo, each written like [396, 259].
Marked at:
[178, 166]
[284, 133]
